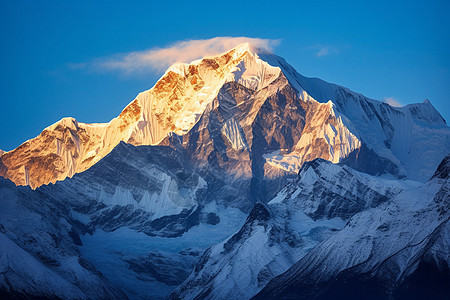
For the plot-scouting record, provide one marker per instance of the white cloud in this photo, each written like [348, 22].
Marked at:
[392, 102]
[324, 50]
[161, 58]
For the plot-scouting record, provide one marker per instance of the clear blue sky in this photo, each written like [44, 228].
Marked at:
[382, 49]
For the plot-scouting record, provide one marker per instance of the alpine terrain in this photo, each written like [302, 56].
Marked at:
[233, 177]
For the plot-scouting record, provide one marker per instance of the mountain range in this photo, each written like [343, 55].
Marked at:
[233, 177]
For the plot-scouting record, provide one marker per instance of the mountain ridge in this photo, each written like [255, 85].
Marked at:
[180, 97]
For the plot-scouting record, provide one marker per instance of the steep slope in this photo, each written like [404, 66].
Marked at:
[408, 141]
[236, 129]
[225, 132]
[143, 216]
[308, 210]
[132, 187]
[398, 250]
[39, 255]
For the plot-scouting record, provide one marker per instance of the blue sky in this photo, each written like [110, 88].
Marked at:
[381, 49]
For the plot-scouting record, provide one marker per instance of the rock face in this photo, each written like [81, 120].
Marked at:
[397, 250]
[173, 105]
[279, 120]
[305, 212]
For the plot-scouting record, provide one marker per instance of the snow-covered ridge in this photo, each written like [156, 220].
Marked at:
[338, 122]
[303, 214]
[173, 105]
[327, 134]
[380, 247]
[415, 137]
[179, 98]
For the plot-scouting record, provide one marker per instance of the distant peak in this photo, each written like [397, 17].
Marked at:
[426, 101]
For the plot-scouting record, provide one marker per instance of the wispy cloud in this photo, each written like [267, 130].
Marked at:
[158, 59]
[324, 50]
[392, 102]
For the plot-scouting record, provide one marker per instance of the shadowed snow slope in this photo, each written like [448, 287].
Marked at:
[39, 256]
[141, 216]
[305, 212]
[398, 250]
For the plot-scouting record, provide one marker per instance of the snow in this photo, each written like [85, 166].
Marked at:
[106, 250]
[388, 240]
[236, 273]
[324, 125]
[173, 105]
[242, 264]
[37, 255]
[288, 162]
[252, 72]
[233, 132]
[414, 137]
[21, 272]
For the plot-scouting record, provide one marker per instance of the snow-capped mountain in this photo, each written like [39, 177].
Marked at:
[140, 198]
[275, 235]
[408, 141]
[253, 95]
[398, 250]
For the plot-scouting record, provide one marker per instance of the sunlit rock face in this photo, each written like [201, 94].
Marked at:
[275, 119]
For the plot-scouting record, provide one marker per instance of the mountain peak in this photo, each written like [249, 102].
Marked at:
[249, 47]
[337, 117]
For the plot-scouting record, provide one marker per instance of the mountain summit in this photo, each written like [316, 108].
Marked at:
[301, 119]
